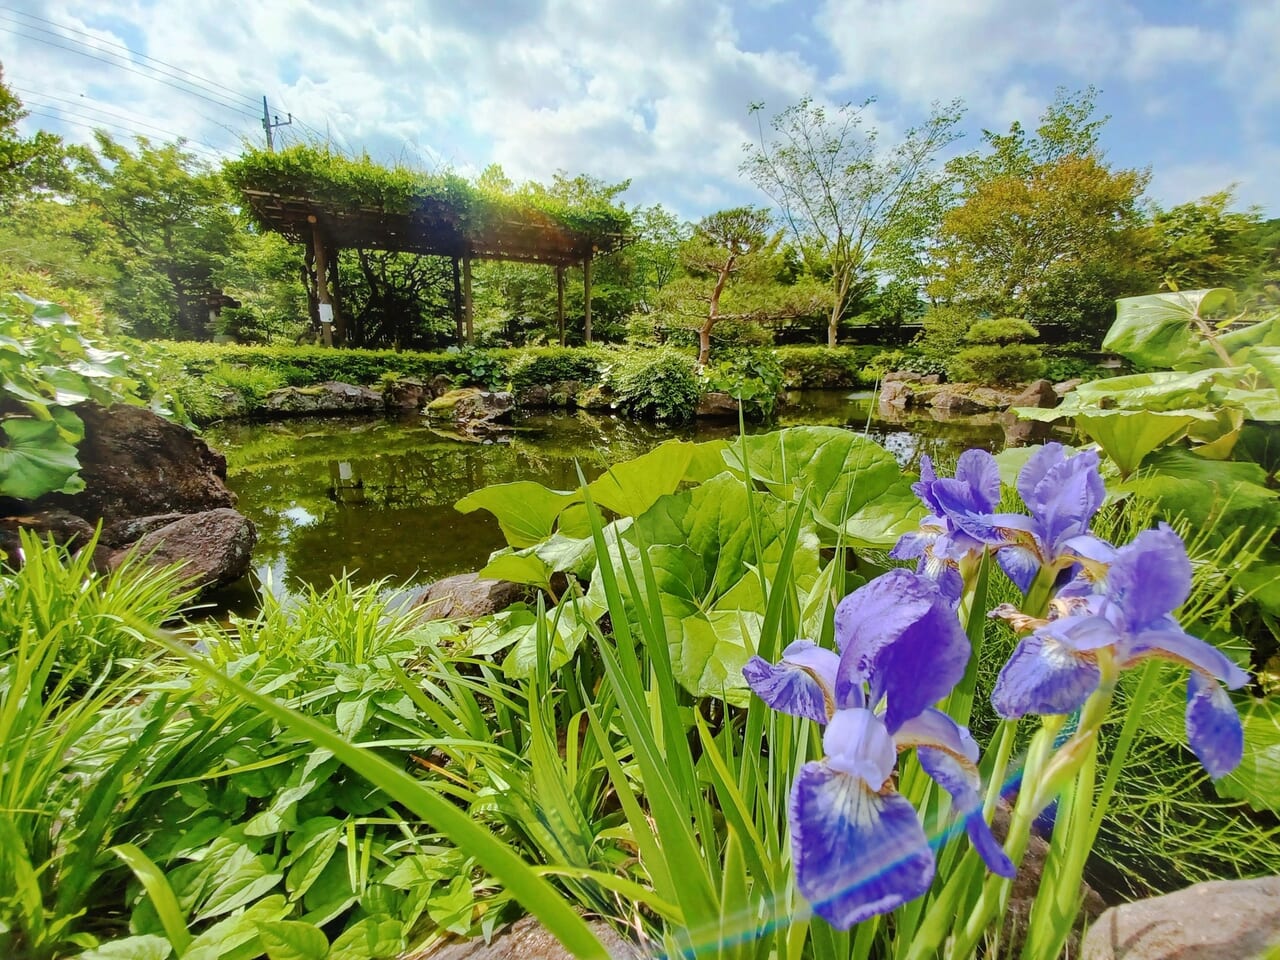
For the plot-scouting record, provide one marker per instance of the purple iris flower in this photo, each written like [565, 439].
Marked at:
[1128, 618]
[1062, 493]
[858, 845]
[942, 544]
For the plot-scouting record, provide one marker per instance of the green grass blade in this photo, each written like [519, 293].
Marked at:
[162, 896]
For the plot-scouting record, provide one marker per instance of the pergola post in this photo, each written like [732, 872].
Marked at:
[340, 332]
[586, 299]
[466, 299]
[457, 300]
[560, 301]
[328, 312]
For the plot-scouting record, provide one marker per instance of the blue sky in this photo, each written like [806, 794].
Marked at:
[656, 91]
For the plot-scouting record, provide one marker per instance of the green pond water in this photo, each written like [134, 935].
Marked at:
[374, 497]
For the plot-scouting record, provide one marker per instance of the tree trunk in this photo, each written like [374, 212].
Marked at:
[704, 343]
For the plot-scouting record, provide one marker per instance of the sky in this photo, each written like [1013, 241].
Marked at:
[652, 91]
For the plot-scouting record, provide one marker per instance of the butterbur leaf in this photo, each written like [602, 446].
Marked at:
[35, 460]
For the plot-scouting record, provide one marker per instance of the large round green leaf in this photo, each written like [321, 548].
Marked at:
[35, 460]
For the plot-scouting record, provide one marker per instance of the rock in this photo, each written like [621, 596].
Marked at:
[952, 401]
[989, 398]
[1021, 433]
[329, 397]
[121, 533]
[439, 385]
[902, 376]
[896, 393]
[472, 406]
[403, 396]
[1041, 393]
[466, 596]
[136, 464]
[526, 939]
[931, 379]
[1066, 386]
[64, 527]
[1218, 920]
[535, 396]
[215, 546]
[715, 404]
[595, 398]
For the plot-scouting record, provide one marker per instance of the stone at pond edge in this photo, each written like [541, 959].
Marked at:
[466, 596]
[406, 395]
[1217, 920]
[526, 939]
[215, 547]
[717, 404]
[470, 405]
[137, 464]
[63, 527]
[329, 397]
[1041, 394]
[121, 533]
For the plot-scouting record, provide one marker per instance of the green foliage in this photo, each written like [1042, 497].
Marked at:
[1204, 244]
[807, 368]
[47, 367]
[655, 384]
[305, 171]
[95, 620]
[998, 355]
[550, 365]
[251, 383]
[753, 378]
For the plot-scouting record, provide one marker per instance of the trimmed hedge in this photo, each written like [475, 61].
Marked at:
[823, 367]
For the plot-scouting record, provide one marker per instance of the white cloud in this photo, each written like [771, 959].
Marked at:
[1157, 48]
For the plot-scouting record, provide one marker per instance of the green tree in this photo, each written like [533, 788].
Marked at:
[174, 218]
[656, 251]
[1204, 243]
[1043, 224]
[25, 162]
[731, 267]
[854, 205]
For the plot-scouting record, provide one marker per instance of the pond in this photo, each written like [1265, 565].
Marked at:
[375, 497]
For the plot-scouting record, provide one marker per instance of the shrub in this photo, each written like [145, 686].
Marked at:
[553, 364]
[998, 356]
[1002, 331]
[942, 332]
[251, 383]
[822, 367]
[753, 377]
[656, 384]
[1015, 363]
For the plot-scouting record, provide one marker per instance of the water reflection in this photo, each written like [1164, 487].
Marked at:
[377, 497]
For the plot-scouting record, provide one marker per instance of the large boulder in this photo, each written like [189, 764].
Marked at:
[405, 396]
[471, 406]
[137, 464]
[1040, 393]
[324, 398]
[1218, 920]
[467, 596]
[716, 405]
[214, 547]
[62, 526]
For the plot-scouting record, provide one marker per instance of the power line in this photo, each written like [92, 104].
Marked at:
[126, 67]
[205, 81]
[95, 109]
[94, 124]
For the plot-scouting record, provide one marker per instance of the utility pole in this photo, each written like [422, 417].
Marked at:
[268, 125]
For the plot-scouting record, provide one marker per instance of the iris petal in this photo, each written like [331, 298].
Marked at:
[1068, 496]
[1044, 676]
[801, 684]
[857, 743]
[978, 469]
[1033, 473]
[1020, 564]
[900, 634]
[1150, 577]
[1171, 642]
[959, 777]
[857, 852]
[1213, 726]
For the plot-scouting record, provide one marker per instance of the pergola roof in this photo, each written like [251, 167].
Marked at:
[433, 226]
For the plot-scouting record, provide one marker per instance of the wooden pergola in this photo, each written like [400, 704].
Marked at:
[433, 227]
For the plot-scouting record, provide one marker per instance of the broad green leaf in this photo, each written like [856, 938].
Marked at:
[526, 511]
[240, 882]
[450, 905]
[575, 618]
[1156, 330]
[522, 566]
[293, 940]
[35, 460]
[161, 893]
[236, 937]
[630, 488]
[368, 939]
[1126, 436]
[855, 489]
[1232, 493]
[1158, 390]
[146, 946]
[708, 652]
